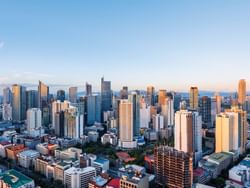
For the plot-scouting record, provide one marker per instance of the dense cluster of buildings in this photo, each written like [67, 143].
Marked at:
[201, 136]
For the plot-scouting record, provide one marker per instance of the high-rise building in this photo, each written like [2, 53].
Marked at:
[184, 131]
[88, 89]
[167, 110]
[18, 103]
[60, 95]
[7, 112]
[59, 124]
[177, 101]
[231, 131]
[134, 98]
[78, 177]
[242, 92]
[158, 122]
[126, 123]
[93, 108]
[34, 121]
[124, 92]
[43, 95]
[194, 98]
[73, 123]
[144, 115]
[73, 94]
[173, 169]
[58, 106]
[7, 96]
[205, 110]
[162, 95]
[106, 96]
[32, 99]
[150, 98]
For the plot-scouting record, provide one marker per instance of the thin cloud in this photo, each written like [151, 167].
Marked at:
[1, 44]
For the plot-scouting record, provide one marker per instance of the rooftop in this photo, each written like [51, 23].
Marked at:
[74, 170]
[101, 160]
[99, 181]
[29, 153]
[219, 157]
[15, 179]
[115, 183]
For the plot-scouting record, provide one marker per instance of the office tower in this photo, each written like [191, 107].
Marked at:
[58, 106]
[7, 112]
[59, 124]
[162, 95]
[150, 98]
[177, 101]
[43, 94]
[73, 123]
[173, 169]
[88, 89]
[242, 92]
[135, 98]
[34, 120]
[218, 102]
[158, 122]
[7, 96]
[78, 177]
[32, 99]
[194, 98]
[93, 109]
[205, 110]
[18, 103]
[60, 95]
[167, 111]
[184, 131]
[73, 94]
[126, 123]
[197, 137]
[124, 92]
[106, 96]
[144, 115]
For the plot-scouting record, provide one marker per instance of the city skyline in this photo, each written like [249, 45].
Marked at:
[165, 44]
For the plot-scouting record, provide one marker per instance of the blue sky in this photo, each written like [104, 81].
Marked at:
[170, 44]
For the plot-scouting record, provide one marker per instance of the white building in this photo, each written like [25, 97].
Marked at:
[101, 165]
[7, 112]
[109, 138]
[34, 122]
[144, 115]
[78, 177]
[27, 158]
[158, 122]
[3, 146]
[70, 153]
[167, 110]
[93, 136]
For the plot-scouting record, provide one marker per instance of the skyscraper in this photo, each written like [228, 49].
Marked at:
[150, 98]
[60, 95]
[134, 98]
[126, 124]
[124, 92]
[93, 108]
[242, 92]
[18, 103]
[43, 95]
[167, 110]
[205, 110]
[58, 106]
[7, 95]
[194, 98]
[173, 169]
[32, 99]
[183, 131]
[106, 96]
[162, 95]
[73, 94]
[34, 121]
[88, 89]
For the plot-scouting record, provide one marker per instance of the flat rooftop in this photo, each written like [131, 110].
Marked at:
[15, 179]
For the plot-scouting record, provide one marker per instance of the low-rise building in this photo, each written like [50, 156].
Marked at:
[27, 158]
[93, 136]
[101, 165]
[15, 179]
[3, 146]
[78, 177]
[13, 150]
[46, 148]
[109, 138]
[98, 182]
[70, 153]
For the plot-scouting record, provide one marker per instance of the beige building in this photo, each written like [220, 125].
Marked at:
[162, 95]
[242, 91]
[194, 98]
